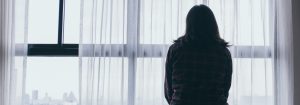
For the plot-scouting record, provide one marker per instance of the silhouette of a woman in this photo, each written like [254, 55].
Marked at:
[198, 64]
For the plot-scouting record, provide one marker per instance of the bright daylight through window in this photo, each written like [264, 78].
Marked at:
[56, 69]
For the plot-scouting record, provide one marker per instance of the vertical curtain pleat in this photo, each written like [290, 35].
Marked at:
[103, 65]
[283, 51]
[13, 35]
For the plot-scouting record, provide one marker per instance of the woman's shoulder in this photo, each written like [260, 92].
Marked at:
[176, 46]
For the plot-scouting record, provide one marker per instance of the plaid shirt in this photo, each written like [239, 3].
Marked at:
[197, 75]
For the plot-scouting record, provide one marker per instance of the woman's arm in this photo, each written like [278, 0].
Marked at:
[228, 74]
[168, 78]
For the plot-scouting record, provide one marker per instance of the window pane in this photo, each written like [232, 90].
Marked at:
[104, 80]
[43, 21]
[104, 22]
[19, 23]
[252, 82]
[162, 21]
[52, 80]
[149, 81]
[72, 21]
[246, 24]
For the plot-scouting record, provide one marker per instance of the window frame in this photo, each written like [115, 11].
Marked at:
[59, 49]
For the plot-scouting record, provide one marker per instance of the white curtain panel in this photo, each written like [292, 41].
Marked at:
[12, 55]
[124, 43]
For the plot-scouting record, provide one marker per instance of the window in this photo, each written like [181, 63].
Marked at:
[138, 40]
[43, 18]
[52, 80]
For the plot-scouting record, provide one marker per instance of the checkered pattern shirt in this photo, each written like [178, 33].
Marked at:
[197, 75]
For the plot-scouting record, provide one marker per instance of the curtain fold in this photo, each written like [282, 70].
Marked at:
[283, 51]
[7, 52]
[13, 51]
[124, 43]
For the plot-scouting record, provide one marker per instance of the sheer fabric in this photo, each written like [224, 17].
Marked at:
[12, 55]
[283, 52]
[103, 63]
[7, 52]
[124, 44]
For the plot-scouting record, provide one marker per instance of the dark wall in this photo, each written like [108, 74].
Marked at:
[296, 31]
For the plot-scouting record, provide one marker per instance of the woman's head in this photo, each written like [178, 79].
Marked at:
[201, 26]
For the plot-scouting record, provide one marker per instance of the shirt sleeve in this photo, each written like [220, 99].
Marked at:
[228, 74]
[168, 78]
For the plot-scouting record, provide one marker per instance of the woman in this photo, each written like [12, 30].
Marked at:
[198, 65]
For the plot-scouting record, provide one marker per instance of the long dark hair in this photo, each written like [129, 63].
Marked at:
[202, 27]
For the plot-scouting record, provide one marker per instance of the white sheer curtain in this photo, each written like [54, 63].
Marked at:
[124, 43]
[12, 55]
[7, 51]
[283, 52]
[103, 63]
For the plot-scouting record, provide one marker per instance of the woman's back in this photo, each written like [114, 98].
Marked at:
[199, 65]
[199, 75]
